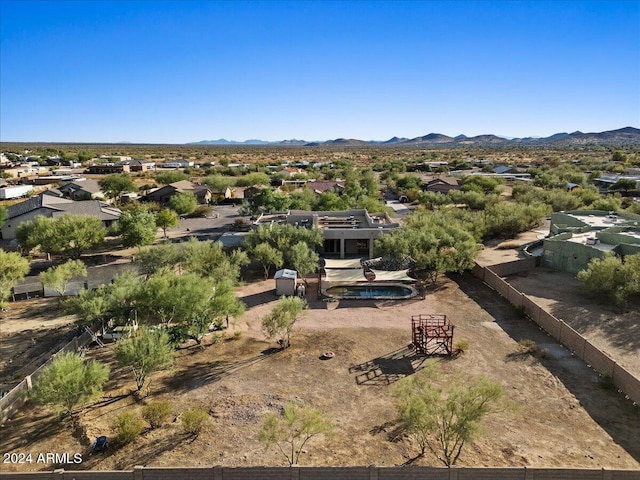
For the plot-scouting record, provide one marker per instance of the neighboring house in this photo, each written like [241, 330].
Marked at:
[15, 191]
[320, 187]
[82, 190]
[441, 185]
[604, 183]
[108, 168]
[180, 163]
[163, 194]
[218, 195]
[349, 233]
[578, 236]
[504, 169]
[136, 165]
[53, 207]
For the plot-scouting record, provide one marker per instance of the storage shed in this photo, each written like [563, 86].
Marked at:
[285, 282]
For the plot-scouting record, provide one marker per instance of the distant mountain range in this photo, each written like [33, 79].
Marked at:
[622, 136]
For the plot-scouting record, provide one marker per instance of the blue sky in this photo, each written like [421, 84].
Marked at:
[182, 71]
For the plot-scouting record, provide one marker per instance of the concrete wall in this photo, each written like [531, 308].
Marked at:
[567, 336]
[568, 256]
[334, 473]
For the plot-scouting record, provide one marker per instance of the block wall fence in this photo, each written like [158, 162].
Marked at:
[563, 333]
[333, 473]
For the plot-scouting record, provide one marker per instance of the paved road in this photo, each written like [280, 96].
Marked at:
[207, 228]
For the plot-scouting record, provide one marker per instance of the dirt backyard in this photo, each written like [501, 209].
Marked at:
[556, 411]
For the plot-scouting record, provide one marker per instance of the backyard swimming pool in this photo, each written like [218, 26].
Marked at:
[373, 291]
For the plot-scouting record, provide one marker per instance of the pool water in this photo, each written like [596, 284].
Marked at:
[370, 291]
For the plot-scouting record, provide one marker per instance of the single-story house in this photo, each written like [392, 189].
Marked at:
[179, 163]
[163, 194]
[108, 168]
[348, 233]
[82, 190]
[441, 184]
[321, 187]
[53, 207]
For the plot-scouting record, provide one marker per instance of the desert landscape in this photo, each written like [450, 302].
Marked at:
[239, 378]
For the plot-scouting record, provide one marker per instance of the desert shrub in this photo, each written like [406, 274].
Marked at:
[461, 347]
[527, 346]
[157, 413]
[201, 211]
[128, 427]
[194, 420]
[237, 335]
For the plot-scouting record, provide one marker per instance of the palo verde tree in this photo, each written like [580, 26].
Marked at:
[282, 238]
[171, 176]
[68, 382]
[190, 303]
[612, 278]
[208, 259]
[59, 277]
[292, 429]
[146, 351]
[166, 219]
[279, 323]
[443, 422]
[153, 258]
[13, 268]
[304, 260]
[69, 235]
[437, 244]
[267, 256]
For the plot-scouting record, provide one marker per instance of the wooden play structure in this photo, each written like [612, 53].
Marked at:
[432, 334]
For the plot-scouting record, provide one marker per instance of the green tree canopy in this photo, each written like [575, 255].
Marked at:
[69, 381]
[444, 421]
[304, 259]
[137, 227]
[279, 323]
[208, 259]
[282, 238]
[267, 256]
[170, 176]
[166, 219]
[69, 235]
[435, 243]
[145, 352]
[153, 258]
[183, 203]
[13, 268]
[625, 184]
[612, 279]
[117, 184]
[59, 277]
[292, 429]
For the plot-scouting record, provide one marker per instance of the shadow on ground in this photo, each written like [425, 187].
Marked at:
[388, 368]
[621, 419]
[203, 373]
